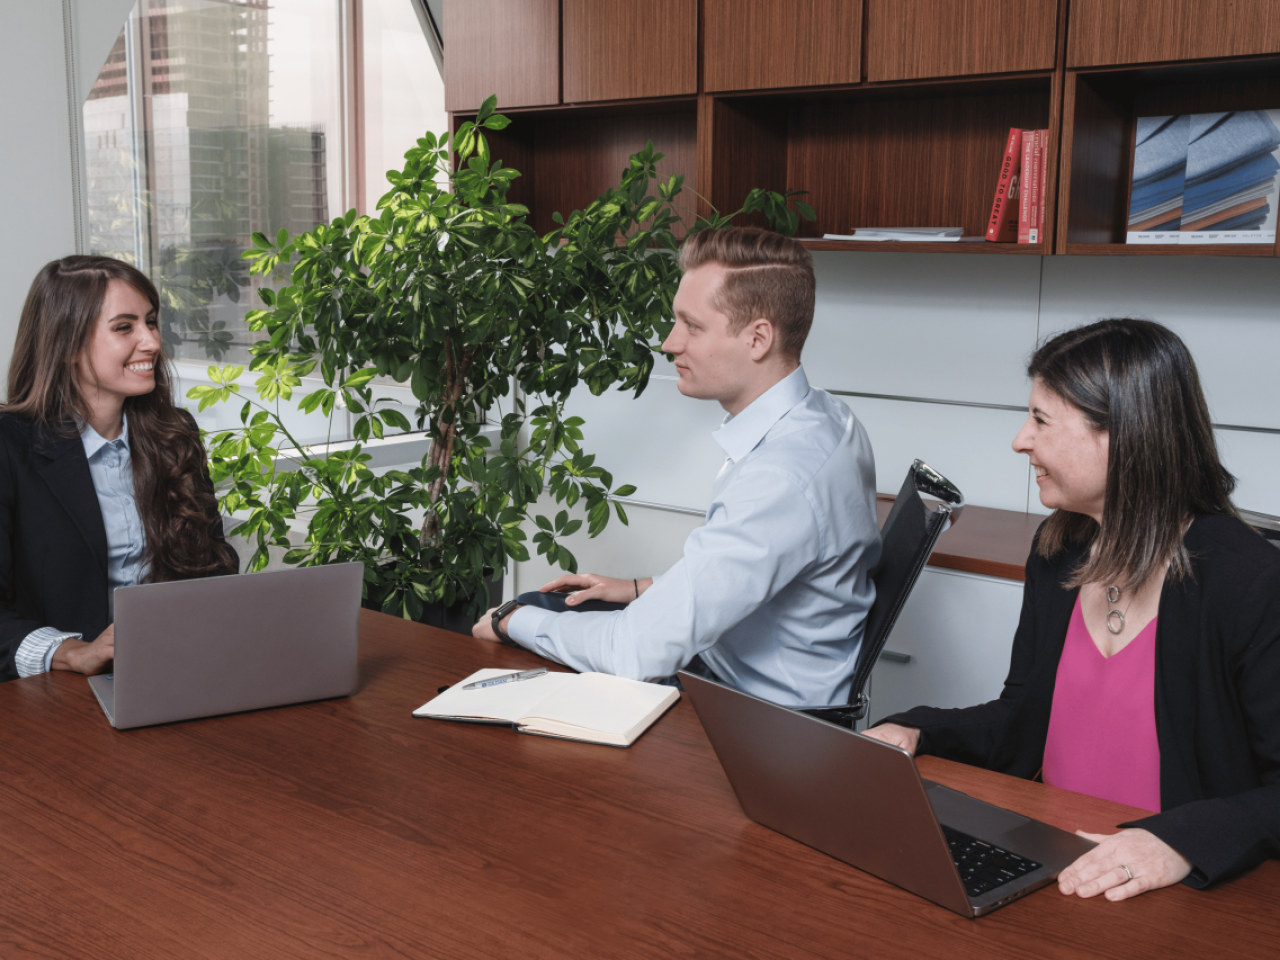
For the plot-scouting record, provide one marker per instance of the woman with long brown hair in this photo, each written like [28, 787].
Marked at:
[1146, 665]
[103, 480]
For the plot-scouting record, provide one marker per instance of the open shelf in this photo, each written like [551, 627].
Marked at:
[1101, 109]
[883, 155]
[890, 246]
[568, 157]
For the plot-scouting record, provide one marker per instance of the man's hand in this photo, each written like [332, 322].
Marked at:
[1151, 862]
[908, 738]
[86, 658]
[483, 629]
[592, 586]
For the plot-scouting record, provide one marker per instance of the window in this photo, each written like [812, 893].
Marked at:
[213, 119]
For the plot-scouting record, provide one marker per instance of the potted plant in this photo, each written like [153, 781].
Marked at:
[454, 293]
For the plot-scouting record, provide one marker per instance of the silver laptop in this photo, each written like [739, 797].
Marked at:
[199, 648]
[863, 802]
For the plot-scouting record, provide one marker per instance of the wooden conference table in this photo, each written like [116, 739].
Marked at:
[346, 828]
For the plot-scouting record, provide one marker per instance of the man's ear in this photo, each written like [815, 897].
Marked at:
[760, 338]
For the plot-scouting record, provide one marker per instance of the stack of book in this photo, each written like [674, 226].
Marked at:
[1017, 212]
[1205, 178]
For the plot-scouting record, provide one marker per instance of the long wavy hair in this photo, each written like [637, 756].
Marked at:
[1136, 380]
[172, 493]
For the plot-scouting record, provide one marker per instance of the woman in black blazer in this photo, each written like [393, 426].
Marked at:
[87, 372]
[1143, 530]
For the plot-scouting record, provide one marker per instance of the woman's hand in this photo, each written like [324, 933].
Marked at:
[592, 586]
[908, 738]
[1152, 863]
[86, 658]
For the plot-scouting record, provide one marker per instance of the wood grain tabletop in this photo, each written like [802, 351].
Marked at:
[347, 828]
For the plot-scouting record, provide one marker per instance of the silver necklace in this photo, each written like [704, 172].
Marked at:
[1113, 598]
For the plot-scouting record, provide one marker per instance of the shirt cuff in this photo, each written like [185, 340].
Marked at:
[524, 625]
[35, 653]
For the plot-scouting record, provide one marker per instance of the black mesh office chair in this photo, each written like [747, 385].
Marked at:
[909, 534]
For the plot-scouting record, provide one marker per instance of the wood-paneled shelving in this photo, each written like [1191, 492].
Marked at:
[888, 112]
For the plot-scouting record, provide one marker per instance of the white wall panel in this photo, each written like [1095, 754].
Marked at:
[650, 545]
[1226, 309]
[1254, 458]
[958, 630]
[969, 445]
[35, 164]
[660, 442]
[924, 325]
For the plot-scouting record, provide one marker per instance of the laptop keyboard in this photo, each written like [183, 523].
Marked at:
[982, 866]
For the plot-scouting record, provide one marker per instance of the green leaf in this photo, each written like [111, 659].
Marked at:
[360, 378]
[625, 490]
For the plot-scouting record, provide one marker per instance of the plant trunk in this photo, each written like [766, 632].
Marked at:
[447, 427]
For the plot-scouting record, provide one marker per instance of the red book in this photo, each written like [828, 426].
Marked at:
[1044, 166]
[1002, 226]
[1029, 188]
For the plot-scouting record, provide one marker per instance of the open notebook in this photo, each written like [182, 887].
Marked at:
[592, 707]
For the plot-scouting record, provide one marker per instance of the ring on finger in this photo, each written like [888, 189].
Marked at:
[1128, 872]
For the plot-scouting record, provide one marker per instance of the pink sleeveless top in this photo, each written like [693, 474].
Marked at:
[1102, 730]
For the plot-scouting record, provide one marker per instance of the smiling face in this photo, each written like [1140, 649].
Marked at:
[1069, 456]
[713, 362]
[119, 359]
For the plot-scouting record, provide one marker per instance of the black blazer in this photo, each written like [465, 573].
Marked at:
[1217, 698]
[53, 543]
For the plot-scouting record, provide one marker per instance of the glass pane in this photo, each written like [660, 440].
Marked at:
[213, 119]
[403, 90]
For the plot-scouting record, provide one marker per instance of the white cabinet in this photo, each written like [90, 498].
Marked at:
[957, 628]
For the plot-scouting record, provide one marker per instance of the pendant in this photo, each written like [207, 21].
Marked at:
[1115, 630]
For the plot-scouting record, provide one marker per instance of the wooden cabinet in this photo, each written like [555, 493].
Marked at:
[507, 47]
[912, 39]
[1108, 32]
[623, 50]
[888, 112]
[769, 44]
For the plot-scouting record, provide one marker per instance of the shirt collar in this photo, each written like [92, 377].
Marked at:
[93, 442]
[739, 435]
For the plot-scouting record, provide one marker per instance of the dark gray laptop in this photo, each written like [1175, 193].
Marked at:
[199, 648]
[863, 802]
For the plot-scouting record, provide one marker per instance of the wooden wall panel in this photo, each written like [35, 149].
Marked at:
[905, 163]
[507, 47]
[762, 44]
[1107, 32]
[907, 39]
[621, 50]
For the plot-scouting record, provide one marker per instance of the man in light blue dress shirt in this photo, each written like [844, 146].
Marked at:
[773, 589]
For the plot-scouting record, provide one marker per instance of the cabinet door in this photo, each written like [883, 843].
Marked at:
[1105, 32]
[507, 47]
[623, 50]
[764, 44]
[957, 629]
[909, 39]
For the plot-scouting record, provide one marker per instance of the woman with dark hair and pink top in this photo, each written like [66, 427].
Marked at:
[1146, 665]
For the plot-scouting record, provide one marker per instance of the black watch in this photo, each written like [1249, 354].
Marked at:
[497, 616]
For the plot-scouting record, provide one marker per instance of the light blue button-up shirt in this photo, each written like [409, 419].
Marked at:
[774, 587]
[111, 467]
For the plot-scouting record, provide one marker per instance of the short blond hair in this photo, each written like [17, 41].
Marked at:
[768, 275]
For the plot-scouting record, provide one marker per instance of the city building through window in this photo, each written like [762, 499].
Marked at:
[213, 119]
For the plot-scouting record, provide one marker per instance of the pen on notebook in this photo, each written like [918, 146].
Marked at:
[506, 678]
